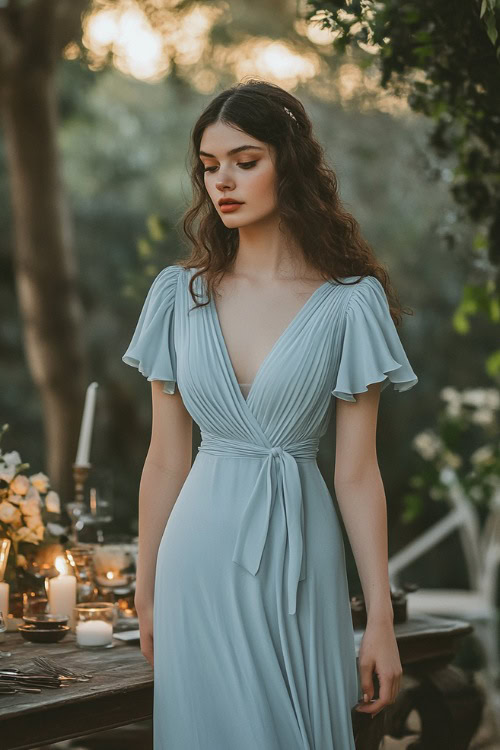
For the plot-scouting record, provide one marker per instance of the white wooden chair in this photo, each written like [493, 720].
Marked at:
[481, 547]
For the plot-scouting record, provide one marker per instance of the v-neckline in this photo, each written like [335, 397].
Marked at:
[268, 356]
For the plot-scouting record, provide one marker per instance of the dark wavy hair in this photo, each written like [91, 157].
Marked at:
[307, 193]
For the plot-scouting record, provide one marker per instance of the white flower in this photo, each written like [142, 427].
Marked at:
[453, 409]
[30, 506]
[483, 417]
[32, 522]
[482, 455]
[39, 532]
[11, 459]
[493, 398]
[483, 398]
[55, 529]
[8, 512]
[450, 394]
[427, 444]
[15, 499]
[40, 481]
[452, 459]
[52, 502]
[33, 494]
[20, 484]
[24, 534]
[7, 474]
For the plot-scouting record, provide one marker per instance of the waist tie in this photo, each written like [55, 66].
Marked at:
[254, 526]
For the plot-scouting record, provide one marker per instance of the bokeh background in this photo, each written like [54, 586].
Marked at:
[98, 99]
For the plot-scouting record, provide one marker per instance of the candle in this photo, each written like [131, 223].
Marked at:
[82, 454]
[94, 633]
[62, 592]
[112, 579]
[4, 599]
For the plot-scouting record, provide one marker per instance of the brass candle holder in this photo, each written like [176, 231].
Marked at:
[77, 507]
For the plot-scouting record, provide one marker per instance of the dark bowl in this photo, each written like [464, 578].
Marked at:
[39, 635]
[46, 621]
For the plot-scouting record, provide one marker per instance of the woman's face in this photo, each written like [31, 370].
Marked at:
[247, 175]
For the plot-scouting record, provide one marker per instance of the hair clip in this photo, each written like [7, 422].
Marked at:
[290, 113]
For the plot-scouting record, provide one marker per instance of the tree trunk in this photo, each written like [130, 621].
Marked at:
[44, 263]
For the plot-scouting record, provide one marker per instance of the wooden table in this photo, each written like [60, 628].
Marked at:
[448, 704]
[121, 692]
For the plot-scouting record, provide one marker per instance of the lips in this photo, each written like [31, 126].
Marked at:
[228, 202]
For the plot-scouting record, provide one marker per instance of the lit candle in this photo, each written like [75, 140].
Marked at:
[62, 592]
[112, 579]
[4, 599]
[82, 454]
[94, 633]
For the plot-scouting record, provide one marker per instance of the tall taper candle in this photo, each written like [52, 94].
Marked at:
[83, 452]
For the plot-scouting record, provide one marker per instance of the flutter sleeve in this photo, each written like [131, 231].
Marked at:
[371, 348]
[152, 348]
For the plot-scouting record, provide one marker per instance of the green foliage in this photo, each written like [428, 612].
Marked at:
[444, 56]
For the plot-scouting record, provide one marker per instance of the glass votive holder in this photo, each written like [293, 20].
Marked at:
[94, 624]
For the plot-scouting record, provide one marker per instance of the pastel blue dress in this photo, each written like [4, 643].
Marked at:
[253, 637]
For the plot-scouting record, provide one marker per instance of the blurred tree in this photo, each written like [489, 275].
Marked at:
[32, 36]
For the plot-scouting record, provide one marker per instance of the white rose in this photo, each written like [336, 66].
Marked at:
[11, 459]
[40, 481]
[8, 512]
[14, 499]
[20, 484]
[55, 529]
[52, 502]
[33, 494]
[39, 532]
[30, 507]
[23, 534]
[7, 473]
[33, 521]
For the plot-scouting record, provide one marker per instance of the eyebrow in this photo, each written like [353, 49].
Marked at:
[234, 150]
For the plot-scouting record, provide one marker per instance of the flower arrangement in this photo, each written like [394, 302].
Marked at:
[26, 504]
[467, 439]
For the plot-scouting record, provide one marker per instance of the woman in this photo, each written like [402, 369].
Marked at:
[244, 591]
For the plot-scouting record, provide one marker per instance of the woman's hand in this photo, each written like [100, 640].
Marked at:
[145, 615]
[379, 652]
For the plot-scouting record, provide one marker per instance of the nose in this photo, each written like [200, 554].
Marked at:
[223, 183]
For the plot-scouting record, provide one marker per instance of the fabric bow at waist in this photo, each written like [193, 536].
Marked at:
[284, 482]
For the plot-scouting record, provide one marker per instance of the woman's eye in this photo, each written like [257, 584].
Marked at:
[244, 164]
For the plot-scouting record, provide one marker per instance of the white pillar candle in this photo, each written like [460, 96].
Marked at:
[62, 596]
[4, 599]
[83, 452]
[94, 633]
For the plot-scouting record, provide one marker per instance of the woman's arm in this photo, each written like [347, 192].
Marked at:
[166, 467]
[361, 497]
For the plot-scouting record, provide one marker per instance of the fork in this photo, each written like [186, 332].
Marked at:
[52, 668]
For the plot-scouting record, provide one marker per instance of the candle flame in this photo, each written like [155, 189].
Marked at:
[61, 565]
[110, 575]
